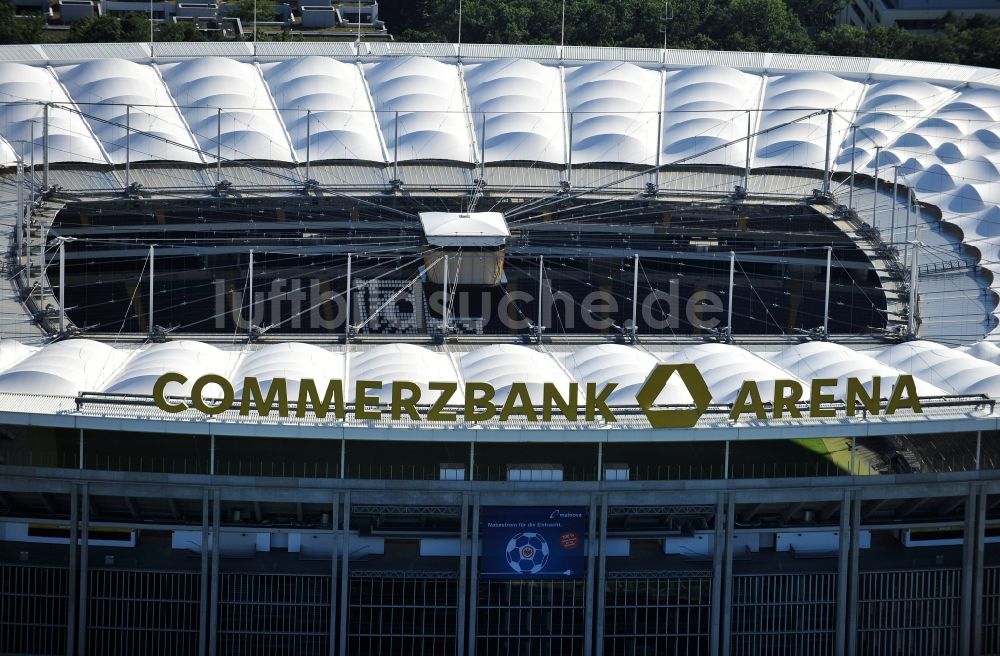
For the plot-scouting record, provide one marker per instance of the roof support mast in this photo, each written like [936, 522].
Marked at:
[308, 145]
[250, 295]
[444, 304]
[128, 147]
[45, 148]
[746, 170]
[62, 287]
[878, 150]
[729, 317]
[826, 297]
[19, 221]
[347, 306]
[634, 328]
[218, 150]
[826, 158]
[892, 221]
[541, 292]
[152, 274]
[854, 150]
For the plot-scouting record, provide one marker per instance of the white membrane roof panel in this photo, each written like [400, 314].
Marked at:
[725, 367]
[226, 102]
[948, 368]
[788, 137]
[705, 108]
[403, 362]
[519, 105]
[189, 358]
[626, 366]
[23, 90]
[104, 90]
[615, 112]
[292, 361]
[502, 365]
[325, 107]
[814, 360]
[419, 103]
[63, 368]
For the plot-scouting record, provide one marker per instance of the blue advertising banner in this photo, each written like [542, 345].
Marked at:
[533, 542]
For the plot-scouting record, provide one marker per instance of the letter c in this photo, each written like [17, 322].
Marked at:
[160, 400]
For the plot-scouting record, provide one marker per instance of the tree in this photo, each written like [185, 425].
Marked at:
[135, 27]
[761, 26]
[816, 15]
[19, 29]
[96, 29]
[183, 31]
[878, 41]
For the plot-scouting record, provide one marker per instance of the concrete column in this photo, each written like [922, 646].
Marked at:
[977, 574]
[968, 568]
[727, 594]
[588, 612]
[463, 580]
[602, 579]
[203, 595]
[843, 553]
[74, 537]
[714, 641]
[854, 576]
[334, 524]
[81, 627]
[474, 567]
[345, 572]
[213, 609]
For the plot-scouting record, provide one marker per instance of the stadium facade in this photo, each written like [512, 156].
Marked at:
[397, 348]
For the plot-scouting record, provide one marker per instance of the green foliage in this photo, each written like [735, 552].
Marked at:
[847, 40]
[244, 10]
[183, 31]
[96, 29]
[805, 26]
[19, 29]
[135, 27]
[763, 26]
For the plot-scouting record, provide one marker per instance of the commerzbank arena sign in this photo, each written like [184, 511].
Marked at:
[213, 394]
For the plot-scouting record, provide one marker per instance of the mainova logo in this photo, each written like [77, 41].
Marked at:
[213, 394]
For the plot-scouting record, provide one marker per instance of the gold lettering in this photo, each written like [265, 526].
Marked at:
[783, 401]
[597, 402]
[198, 401]
[856, 393]
[518, 403]
[748, 400]
[362, 402]
[276, 391]
[437, 413]
[551, 398]
[158, 397]
[479, 408]
[898, 402]
[309, 396]
[817, 398]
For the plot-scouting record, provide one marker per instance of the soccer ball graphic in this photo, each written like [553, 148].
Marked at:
[527, 553]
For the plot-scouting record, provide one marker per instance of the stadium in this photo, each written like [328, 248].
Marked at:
[401, 348]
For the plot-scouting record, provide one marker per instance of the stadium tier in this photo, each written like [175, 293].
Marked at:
[395, 348]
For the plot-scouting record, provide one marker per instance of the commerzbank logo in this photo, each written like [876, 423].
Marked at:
[656, 382]
[475, 402]
[787, 398]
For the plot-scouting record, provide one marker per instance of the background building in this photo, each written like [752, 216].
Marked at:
[915, 15]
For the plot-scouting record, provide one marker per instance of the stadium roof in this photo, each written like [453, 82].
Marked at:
[519, 112]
